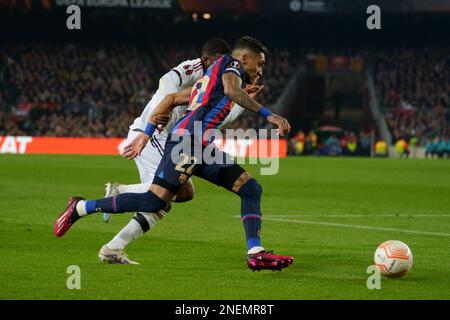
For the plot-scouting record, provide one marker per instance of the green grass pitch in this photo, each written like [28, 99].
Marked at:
[329, 213]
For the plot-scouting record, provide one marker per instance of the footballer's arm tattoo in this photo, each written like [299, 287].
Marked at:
[232, 89]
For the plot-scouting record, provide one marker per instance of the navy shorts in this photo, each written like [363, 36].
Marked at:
[184, 158]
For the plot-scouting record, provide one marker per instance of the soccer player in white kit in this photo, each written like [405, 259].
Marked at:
[180, 78]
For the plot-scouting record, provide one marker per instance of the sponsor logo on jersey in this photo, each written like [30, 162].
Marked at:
[235, 64]
[188, 69]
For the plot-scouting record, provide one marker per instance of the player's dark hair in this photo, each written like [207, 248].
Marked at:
[216, 46]
[251, 44]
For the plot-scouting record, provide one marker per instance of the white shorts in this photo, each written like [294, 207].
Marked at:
[151, 155]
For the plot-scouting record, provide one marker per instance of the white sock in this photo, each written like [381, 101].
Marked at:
[255, 250]
[81, 208]
[134, 188]
[130, 232]
[133, 230]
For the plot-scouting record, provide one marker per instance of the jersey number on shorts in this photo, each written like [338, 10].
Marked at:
[184, 160]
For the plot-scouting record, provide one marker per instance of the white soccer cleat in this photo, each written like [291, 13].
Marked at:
[111, 190]
[114, 256]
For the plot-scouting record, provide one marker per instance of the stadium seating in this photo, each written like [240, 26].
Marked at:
[414, 86]
[97, 90]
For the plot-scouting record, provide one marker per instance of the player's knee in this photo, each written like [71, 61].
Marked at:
[186, 193]
[184, 196]
[232, 177]
[250, 189]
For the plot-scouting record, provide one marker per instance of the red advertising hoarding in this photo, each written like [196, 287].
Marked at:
[111, 146]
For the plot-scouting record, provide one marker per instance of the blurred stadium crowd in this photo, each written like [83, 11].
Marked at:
[73, 90]
[414, 89]
[345, 143]
[97, 91]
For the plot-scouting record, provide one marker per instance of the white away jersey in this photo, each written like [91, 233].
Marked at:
[183, 76]
[188, 73]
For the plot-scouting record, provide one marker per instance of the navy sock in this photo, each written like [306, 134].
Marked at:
[250, 194]
[127, 202]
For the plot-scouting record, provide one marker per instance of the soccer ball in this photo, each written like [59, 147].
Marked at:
[393, 258]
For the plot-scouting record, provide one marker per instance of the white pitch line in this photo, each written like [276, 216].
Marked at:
[356, 226]
[361, 215]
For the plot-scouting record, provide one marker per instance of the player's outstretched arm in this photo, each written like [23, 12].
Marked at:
[232, 89]
[159, 116]
[168, 104]
[236, 110]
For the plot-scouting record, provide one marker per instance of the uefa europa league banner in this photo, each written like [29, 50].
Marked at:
[242, 6]
[152, 4]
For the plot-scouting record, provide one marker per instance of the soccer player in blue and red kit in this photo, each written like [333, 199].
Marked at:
[210, 102]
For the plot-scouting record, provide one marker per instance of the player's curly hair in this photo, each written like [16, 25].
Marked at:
[216, 46]
[252, 44]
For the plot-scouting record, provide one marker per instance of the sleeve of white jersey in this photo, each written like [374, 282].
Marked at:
[187, 70]
[235, 113]
[169, 83]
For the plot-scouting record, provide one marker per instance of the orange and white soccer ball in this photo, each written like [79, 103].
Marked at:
[393, 258]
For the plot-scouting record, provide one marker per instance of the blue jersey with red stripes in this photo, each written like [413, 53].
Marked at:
[208, 103]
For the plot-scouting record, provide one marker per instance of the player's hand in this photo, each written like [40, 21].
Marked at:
[135, 148]
[160, 120]
[283, 125]
[253, 90]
